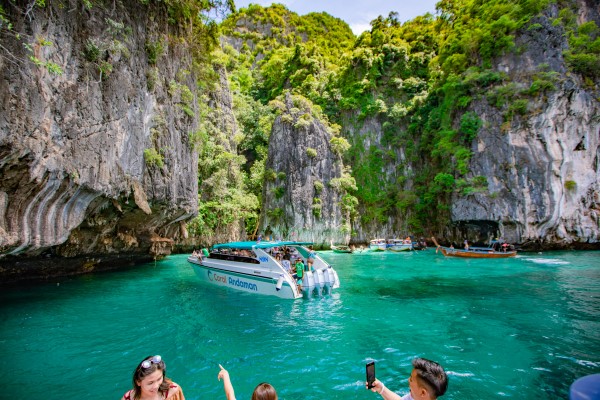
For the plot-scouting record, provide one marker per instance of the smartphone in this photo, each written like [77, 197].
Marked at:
[370, 374]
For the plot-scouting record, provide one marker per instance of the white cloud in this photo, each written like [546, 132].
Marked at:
[360, 28]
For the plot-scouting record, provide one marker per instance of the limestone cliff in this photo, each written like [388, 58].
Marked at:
[542, 167]
[301, 200]
[94, 159]
[541, 162]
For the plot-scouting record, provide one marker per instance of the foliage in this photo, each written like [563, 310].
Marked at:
[339, 145]
[469, 126]
[570, 185]
[153, 158]
[316, 207]
[154, 49]
[310, 152]
[318, 185]
[583, 55]
[278, 192]
[420, 81]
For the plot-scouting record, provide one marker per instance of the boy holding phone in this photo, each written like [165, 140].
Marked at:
[427, 381]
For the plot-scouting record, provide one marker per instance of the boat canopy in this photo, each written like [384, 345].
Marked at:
[257, 245]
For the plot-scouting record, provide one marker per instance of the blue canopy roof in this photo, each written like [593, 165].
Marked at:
[257, 245]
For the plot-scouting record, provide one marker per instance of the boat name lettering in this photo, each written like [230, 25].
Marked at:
[243, 284]
[263, 259]
[216, 277]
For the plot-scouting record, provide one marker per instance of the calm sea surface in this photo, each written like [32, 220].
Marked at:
[523, 328]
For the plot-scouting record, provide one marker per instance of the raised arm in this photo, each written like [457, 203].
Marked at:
[379, 387]
[227, 386]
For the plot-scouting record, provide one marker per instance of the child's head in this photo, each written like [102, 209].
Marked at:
[428, 379]
[264, 391]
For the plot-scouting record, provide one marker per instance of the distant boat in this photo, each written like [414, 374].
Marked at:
[400, 245]
[475, 252]
[341, 248]
[377, 245]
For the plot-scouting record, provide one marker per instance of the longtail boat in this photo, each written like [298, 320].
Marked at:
[341, 248]
[475, 252]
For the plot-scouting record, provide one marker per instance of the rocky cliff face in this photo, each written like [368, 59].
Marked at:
[542, 167]
[299, 200]
[94, 160]
[368, 135]
[541, 164]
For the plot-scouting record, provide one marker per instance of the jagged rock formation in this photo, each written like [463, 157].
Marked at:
[299, 201]
[542, 165]
[543, 168]
[74, 181]
[368, 136]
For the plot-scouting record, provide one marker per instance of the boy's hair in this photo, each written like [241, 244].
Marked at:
[432, 375]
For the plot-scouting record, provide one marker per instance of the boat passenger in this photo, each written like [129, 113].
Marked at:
[264, 391]
[150, 381]
[427, 381]
[311, 257]
[287, 265]
[466, 245]
[299, 274]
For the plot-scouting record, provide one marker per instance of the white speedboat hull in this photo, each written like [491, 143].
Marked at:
[261, 273]
[245, 283]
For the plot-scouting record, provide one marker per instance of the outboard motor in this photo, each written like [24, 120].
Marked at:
[336, 283]
[329, 277]
[308, 280]
[320, 279]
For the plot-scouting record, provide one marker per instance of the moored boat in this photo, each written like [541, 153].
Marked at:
[400, 245]
[255, 267]
[341, 248]
[377, 245]
[476, 252]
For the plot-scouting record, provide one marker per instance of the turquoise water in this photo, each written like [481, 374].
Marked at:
[522, 328]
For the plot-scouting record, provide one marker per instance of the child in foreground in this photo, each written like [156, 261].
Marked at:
[263, 391]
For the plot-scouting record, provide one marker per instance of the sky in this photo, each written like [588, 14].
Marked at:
[356, 13]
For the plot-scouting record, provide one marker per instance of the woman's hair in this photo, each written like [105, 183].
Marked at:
[140, 373]
[264, 391]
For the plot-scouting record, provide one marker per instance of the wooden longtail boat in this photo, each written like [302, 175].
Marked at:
[474, 252]
[341, 249]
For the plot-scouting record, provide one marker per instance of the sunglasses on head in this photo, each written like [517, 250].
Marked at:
[154, 360]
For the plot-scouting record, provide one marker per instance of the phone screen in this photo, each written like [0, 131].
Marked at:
[370, 374]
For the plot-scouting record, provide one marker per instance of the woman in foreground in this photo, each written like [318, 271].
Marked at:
[150, 382]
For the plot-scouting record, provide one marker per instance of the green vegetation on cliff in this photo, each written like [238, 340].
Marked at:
[402, 94]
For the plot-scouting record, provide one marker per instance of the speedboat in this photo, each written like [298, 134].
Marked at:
[255, 267]
[377, 245]
[400, 245]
